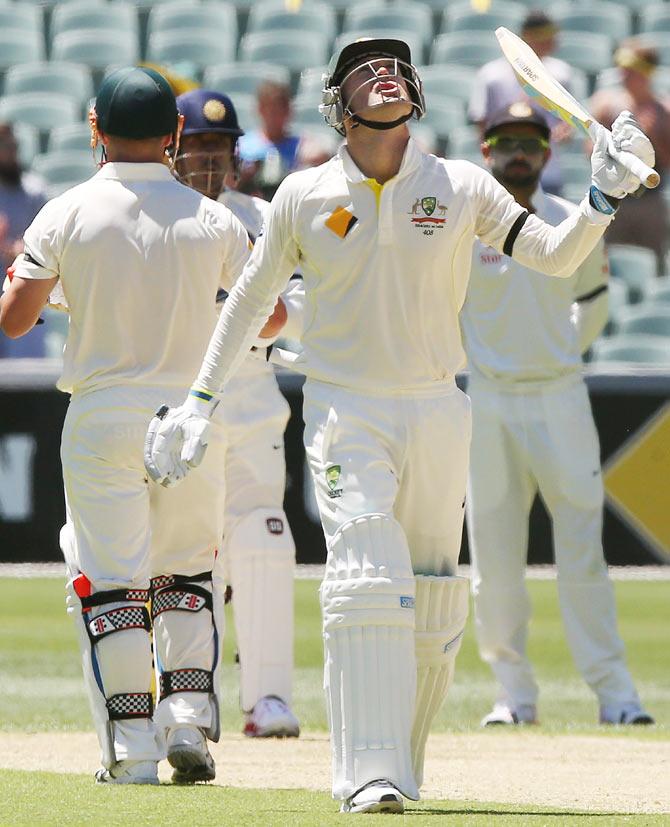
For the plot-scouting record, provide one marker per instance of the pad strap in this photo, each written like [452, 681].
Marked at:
[186, 680]
[130, 705]
[185, 598]
[114, 596]
[118, 620]
[164, 580]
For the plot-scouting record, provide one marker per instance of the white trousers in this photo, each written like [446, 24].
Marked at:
[390, 477]
[257, 564]
[524, 441]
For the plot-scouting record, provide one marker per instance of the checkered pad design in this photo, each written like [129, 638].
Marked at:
[186, 680]
[162, 581]
[116, 620]
[130, 705]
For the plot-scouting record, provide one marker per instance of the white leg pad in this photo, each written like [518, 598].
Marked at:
[259, 556]
[118, 666]
[441, 614]
[188, 632]
[367, 598]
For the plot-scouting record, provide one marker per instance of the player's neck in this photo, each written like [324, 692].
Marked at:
[377, 153]
[522, 195]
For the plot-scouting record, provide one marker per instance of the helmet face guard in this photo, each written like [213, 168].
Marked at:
[373, 55]
[206, 170]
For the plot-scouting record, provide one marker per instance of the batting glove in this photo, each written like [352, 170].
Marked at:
[608, 175]
[177, 439]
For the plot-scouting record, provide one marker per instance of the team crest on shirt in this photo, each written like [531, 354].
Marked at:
[333, 480]
[422, 214]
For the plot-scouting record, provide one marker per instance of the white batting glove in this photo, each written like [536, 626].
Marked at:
[607, 174]
[177, 439]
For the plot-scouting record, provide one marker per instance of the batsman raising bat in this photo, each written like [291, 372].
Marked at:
[384, 236]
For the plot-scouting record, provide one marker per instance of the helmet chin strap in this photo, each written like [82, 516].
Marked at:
[382, 125]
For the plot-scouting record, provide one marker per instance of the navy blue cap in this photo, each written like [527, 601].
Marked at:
[517, 112]
[207, 111]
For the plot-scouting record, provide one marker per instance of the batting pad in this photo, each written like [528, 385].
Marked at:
[259, 557]
[367, 598]
[188, 625]
[441, 613]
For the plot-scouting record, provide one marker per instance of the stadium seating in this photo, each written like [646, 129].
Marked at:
[644, 318]
[288, 48]
[72, 136]
[218, 18]
[661, 42]
[62, 170]
[95, 14]
[444, 115]
[413, 19]
[588, 51]
[655, 18]
[244, 78]
[462, 17]
[199, 47]
[636, 266]
[311, 82]
[465, 143]
[96, 48]
[659, 293]
[467, 48]
[632, 348]
[315, 16]
[39, 109]
[72, 79]
[19, 46]
[601, 16]
[450, 80]
[28, 139]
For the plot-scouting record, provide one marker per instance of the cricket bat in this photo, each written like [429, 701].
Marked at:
[539, 84]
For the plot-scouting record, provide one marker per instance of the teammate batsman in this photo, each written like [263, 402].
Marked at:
[139, 258]
[384, 235]
[258, 554]
[533, 430]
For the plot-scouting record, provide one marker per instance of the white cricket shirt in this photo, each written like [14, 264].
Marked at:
[518, 325]
[385, 269]
[140, 258]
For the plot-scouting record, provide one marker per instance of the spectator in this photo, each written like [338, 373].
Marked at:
[21, 198]
[496, 86]
[271, 152]
[644, 221]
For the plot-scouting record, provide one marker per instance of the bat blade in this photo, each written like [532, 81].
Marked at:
[538, 83]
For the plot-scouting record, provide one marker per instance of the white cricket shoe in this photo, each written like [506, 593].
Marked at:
[129, 772]
[187, 752]
[376, 797]
[502, 714]
[627, 714]
[271, 718]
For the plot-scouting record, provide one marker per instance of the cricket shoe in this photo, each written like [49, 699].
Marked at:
[271, 718]
[187, 752]
[503, 714]
[378, 796]
[129, 772]
[627, 714]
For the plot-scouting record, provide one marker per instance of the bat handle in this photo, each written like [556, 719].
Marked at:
[647, 175]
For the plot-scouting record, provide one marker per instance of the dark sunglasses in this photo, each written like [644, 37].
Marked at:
[509, 144]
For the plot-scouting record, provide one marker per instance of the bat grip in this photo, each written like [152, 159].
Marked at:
[647, 175]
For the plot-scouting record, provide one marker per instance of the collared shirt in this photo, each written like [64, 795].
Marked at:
[140, 258]
[518, 325]
[385, 271]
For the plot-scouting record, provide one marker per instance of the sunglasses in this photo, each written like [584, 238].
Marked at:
[509, 144]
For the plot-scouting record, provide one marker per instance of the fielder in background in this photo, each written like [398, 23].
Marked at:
[257, 557]
[533, 431]
[383, 234]
[139, 258]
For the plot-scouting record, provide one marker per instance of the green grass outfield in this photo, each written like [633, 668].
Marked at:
[41, 690]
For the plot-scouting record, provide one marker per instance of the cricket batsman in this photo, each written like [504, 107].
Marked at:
[384, 236]
[139, 259]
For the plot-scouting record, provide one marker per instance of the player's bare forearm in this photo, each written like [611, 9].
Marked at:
[22, 303]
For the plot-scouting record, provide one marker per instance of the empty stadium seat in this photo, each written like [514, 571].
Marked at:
[39, 109]
[659, 293]
[444, 115]
[655, 18]
[94, 14]
[96, 48]
[602, 16]
[70, 136]
[217, 18]
[311, 82]
[199, 47]
[469, 48]
[64, 169]
[448, 80]
[645, 318]
[306, 113]
[412, 18]
[288, 48]
[462, 17]
[636, 266]
[635, 348]
[72, 79]
[588, 51]
[311, 17]
[233, 78]
[21, 17]
[19, 46]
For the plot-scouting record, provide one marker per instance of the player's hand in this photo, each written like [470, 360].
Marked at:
[176, 441]
[607, 173]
